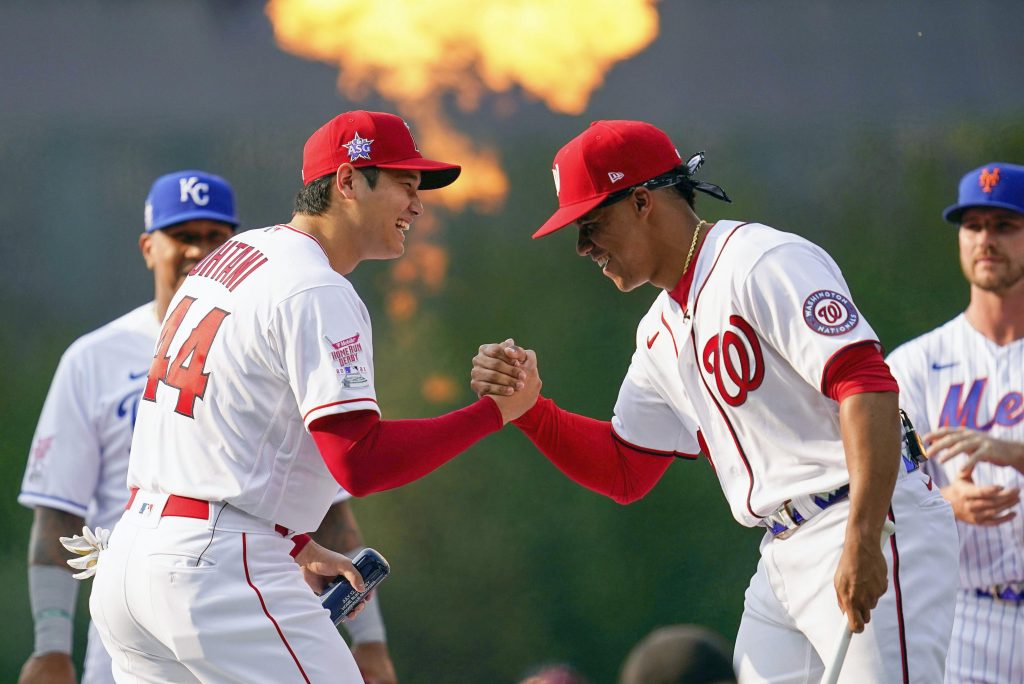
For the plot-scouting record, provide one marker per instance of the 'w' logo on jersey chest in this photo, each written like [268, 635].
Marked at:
[957, 412]
[734, 358]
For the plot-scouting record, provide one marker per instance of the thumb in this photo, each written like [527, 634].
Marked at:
[349, 572]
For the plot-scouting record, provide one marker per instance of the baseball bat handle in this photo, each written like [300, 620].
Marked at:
[833, 668]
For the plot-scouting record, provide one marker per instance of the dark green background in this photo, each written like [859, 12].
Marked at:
[847, 123]
[499, 561]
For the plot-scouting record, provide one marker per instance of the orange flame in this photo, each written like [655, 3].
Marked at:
[414, 52]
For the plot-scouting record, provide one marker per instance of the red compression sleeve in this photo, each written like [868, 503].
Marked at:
[589, 452]
[366, 454]
[857, 369]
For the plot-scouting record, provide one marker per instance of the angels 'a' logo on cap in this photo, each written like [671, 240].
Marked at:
[558, 183]
[615, 176]
[411, 137]
[358, 148]
[988, 179]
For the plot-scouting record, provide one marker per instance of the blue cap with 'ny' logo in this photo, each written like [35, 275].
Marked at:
[994, 186]
[188, 196]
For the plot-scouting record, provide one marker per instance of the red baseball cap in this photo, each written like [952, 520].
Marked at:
[608, 156]
[362, 138]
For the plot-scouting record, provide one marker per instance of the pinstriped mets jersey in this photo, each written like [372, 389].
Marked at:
[956, 377]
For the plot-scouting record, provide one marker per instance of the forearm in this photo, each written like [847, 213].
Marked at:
[870, 428]
[48, 526]
[1015, 455]
[586, 451]
[52, 589]
[339, 529]
[367, 455]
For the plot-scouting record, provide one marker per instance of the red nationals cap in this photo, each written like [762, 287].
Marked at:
[607, 157]
[362, 138]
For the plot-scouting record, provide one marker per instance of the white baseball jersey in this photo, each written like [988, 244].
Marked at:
[744, 360]
[79, 458]
[955, 376]
[735, 367]
[262, 338]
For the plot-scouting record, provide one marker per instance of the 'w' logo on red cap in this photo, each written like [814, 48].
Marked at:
[988, 179]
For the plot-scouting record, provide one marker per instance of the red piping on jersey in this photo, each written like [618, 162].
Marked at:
[728, 425]
[302, 232]
[898, 591]
[263, 604]
[669, 328]
[682, 288]
[707, 451]
[336, 403]
[653, 452]
[696, 359]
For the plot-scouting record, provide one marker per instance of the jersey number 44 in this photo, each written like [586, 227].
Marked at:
[185, 372]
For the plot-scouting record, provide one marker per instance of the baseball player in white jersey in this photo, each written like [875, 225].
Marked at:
[755, 355]
[964, 383]
[78, 465]
[258, 402]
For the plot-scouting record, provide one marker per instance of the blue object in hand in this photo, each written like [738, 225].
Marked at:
[341, 598]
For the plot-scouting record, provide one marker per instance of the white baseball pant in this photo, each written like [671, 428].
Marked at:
[790, 610]
[179, 599]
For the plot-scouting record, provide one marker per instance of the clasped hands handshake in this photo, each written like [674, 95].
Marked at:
[508, 374]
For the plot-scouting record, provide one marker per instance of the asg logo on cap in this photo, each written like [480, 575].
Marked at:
[192, 189]
[558, 183]
[358, 148]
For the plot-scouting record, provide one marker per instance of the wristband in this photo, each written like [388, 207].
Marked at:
[52, 594]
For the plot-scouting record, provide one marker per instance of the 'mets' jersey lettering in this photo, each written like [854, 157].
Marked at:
[743, 359]
[247, 359]
[954, 376]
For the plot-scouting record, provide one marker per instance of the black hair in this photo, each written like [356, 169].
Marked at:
[314, 199]
[685, 189]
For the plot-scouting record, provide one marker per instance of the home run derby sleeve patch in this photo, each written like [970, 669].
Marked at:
[345, 355]
[830, 313]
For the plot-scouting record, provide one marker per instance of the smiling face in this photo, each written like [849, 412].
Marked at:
[172, 252]
[387, 212]
[617, 241]
[992, 249]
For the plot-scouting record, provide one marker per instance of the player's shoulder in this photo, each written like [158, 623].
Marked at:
[751, 242]
[296, 261]
[125, 330]
[934, 341]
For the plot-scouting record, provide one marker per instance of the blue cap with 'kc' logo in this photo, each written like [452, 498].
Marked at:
[994, 186]
[188, 196]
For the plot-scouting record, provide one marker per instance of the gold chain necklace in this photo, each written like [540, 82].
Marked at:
[693, 245]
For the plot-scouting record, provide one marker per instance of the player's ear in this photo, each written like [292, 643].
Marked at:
[641, 201]
[344, 180]
[146, 247]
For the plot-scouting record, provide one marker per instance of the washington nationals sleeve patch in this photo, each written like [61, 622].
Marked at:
[830, 313]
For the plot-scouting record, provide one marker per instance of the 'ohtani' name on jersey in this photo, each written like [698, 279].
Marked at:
[1009, 410]
[230, 264]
